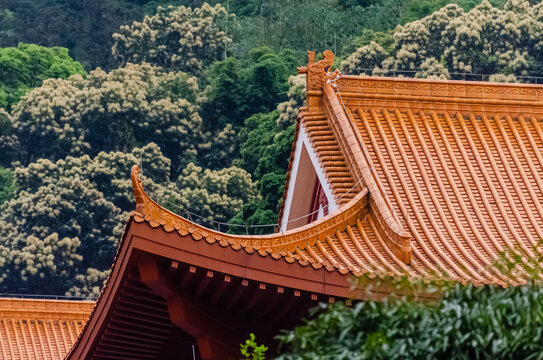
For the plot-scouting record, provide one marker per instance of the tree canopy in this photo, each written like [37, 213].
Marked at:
[175, 38]
[119, 110]
[467, 323]
[450, 42]
[26, 66]
[67, 217]
[205, 96]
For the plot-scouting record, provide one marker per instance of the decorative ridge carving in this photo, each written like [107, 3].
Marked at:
[138, 189]
[318, 72]
[436, 90]
[397, 238]
[278, 245]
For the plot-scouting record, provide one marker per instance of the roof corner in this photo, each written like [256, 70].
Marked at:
[137, 187]
[317, 75]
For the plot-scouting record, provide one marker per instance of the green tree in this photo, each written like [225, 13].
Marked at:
[7, 24]
[83, 27]
[265, 152]
[9, 144]
[267, 78]
[226, 95]
[7, 185]
[250, 350]
[28, 65]
[175, 38]
[467, 323]
[311, 25]
[237, 89]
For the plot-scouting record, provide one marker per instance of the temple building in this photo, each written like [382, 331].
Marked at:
[387, 177]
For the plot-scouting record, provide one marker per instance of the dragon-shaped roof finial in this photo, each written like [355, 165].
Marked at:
[320, 71]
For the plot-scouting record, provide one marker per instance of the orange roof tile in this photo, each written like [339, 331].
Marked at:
[467, 185]
[315, 244]
[335, 168]
[40, 329]
[351, 241]
[447, 177]
[450, 176]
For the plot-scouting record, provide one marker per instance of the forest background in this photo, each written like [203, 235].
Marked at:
[203, 96]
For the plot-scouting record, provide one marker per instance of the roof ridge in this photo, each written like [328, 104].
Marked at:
[36, 308]
[398, 239]
[457, 95]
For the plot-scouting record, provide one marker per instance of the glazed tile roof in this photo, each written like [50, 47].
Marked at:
[467, 186]
[328, 153]
[446, 180]
[317, 244]
[449, 175]
[351, 241]
[40, 329]
[461, 164]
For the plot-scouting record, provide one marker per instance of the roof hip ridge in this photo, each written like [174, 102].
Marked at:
[359, 163]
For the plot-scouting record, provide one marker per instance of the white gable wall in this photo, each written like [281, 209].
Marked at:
[299, 177]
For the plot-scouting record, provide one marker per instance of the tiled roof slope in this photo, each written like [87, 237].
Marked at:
[350, 241]
[40, 329]
[328, 153]
[462, 165]
[448, 178]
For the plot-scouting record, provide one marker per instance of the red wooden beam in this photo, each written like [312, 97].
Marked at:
[204, 283]
[220, 290]
[213, 337]
[188, 277]
[255, 295]
[237, 293]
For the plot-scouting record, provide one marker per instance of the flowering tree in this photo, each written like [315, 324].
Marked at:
[486, 40]
[127, 107]
[175, 38]
[62, 228]
[213, 194]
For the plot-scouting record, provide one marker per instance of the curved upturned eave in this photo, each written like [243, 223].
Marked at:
[285, 246]
[281, 244]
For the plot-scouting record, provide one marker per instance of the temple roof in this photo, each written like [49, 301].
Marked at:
[434, 179]
[347, 241]
[40, 329]
[446, 175]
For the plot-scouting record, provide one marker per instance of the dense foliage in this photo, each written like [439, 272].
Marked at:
[27, 66]
[468, 323]
[486, 40]
[175, 38]
[67, 218]
[62, 227]
[86, 27]
[250, 350]
[127, 107]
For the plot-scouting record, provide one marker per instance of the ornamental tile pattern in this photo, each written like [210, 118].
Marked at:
[40, 329]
